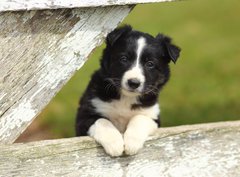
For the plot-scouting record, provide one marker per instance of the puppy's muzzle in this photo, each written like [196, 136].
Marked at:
[133, 83]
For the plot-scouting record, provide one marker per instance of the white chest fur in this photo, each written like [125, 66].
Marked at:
[119, 112]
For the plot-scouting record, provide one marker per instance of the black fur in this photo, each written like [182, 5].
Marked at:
[121, 43]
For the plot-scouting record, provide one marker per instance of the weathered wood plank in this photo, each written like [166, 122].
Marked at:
[198, 150]
[39, 52]
[15, 5]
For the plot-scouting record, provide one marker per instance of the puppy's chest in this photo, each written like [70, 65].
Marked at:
[119, 112]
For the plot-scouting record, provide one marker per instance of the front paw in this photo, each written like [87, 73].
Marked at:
[132, 144]
[114, 148]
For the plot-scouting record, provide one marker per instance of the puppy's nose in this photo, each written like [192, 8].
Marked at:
[133, 83]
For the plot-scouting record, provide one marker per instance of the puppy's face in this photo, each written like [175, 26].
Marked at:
[137, 61]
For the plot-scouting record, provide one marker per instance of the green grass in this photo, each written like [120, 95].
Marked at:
[205, 82]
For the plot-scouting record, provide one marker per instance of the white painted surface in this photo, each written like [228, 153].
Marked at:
[12, 121]
[54, 44]
[208, 150]
[15, 5]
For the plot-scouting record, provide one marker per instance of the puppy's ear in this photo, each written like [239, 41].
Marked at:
[115, 34]
[171, 51]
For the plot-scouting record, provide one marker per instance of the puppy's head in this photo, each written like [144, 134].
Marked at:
[137, 61]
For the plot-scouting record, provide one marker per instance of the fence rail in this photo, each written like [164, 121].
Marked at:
[16, 5]
[196, 150]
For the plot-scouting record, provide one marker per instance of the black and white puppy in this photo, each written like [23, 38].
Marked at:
[119, 108]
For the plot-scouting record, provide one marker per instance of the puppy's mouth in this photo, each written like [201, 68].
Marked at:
[130, 92]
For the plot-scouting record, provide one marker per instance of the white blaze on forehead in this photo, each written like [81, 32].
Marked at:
[140, 46]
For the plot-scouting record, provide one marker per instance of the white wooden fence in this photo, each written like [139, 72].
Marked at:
[42, 44]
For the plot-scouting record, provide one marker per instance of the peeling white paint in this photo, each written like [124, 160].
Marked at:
[42, 162]
[114, 169]
[190, 157]
[16, 118]
[2, 95]
[76, 156]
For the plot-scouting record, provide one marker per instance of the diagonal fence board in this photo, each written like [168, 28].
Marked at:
[197, 150]
[39, 52]
[14, 5]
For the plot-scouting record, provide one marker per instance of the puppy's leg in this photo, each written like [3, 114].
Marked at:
[138, 130]
[104, 132]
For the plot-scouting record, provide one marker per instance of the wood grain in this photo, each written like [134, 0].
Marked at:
[16, 5]
[198, 150]
[39, 52]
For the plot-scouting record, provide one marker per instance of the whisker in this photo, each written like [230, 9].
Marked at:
[152, 90]
[112, 84]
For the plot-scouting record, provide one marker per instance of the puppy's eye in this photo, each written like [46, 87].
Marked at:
[123, 59]
[149, 64]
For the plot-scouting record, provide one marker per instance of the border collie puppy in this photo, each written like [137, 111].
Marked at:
[119, 108]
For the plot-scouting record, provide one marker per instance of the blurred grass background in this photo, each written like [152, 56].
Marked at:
[204, 86]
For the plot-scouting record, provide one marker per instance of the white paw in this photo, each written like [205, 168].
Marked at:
[114, 148]
[108, 136]
[132, 144]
